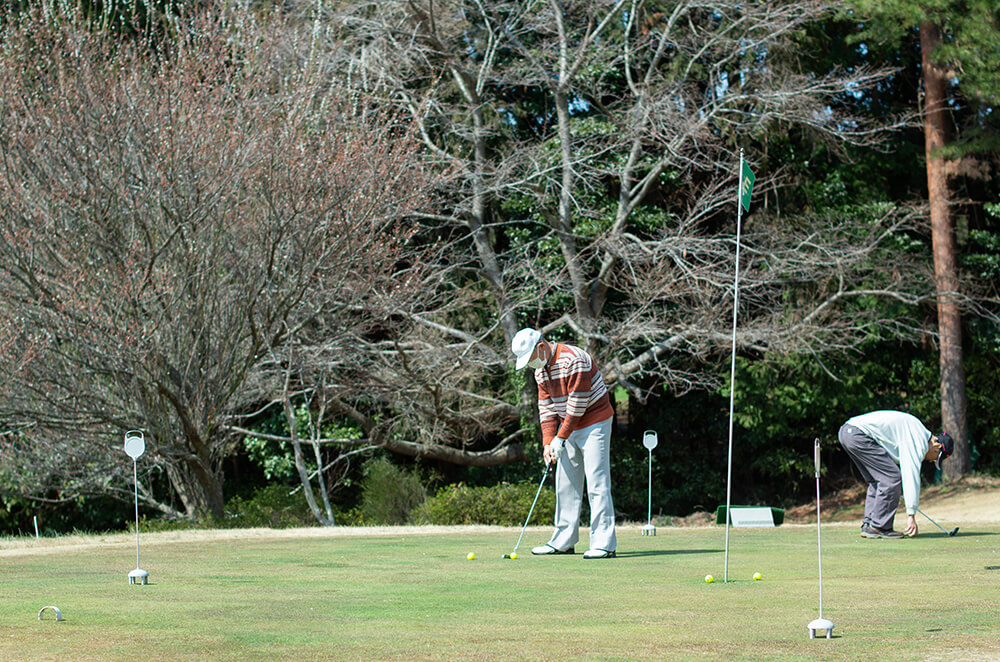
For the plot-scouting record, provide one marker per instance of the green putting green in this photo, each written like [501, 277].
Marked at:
[413, 594]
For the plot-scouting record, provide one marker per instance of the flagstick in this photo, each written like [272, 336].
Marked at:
[732, 367]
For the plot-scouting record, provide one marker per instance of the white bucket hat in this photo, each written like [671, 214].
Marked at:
[523, 345]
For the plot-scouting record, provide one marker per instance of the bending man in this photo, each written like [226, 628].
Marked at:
[888, 447]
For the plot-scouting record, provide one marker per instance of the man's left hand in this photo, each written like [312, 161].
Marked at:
[552, 452]
[911, 525]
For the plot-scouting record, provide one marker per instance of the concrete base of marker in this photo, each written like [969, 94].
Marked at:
[820, 624]
[649, 530]
[138, 573]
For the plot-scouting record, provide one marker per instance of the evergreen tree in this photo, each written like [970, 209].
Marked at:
[959, 59]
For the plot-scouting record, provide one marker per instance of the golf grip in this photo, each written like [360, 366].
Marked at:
[816, 455]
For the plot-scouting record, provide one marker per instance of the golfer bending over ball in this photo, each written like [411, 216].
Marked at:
[888, 447]
[575, 414]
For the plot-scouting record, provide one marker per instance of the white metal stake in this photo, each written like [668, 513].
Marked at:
[649, 491]
[135, 485]
[135, 445]
[819, 623]
[649, 441]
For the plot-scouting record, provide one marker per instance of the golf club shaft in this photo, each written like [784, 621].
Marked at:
[934, 523]
[545, 472]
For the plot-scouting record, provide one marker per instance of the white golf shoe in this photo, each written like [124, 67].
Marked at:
[541, 550]
[599, 554]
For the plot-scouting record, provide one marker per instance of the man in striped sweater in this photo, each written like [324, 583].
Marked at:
[575, 414]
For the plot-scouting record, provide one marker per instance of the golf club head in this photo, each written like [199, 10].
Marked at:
[943, 530]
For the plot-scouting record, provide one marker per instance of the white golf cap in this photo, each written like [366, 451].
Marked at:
[523, 345]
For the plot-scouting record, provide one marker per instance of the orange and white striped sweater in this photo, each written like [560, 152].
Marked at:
[571, 390]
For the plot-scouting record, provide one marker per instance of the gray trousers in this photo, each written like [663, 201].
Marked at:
[885, 482]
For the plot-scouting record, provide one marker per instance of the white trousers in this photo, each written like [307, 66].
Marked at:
[586, 455]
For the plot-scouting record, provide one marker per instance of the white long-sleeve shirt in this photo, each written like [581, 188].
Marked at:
[906, 440]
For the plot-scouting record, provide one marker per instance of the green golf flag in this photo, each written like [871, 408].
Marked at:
[746, 186]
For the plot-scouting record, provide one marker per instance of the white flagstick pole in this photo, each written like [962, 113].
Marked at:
[732, 367]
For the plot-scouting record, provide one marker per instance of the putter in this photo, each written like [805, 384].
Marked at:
[950, 533]
[545, 472]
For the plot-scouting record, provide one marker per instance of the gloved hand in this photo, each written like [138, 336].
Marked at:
[555, 449]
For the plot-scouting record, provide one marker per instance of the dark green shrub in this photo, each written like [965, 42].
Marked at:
[389, 493]
[272, 506]
[276, 506]
[504, 504]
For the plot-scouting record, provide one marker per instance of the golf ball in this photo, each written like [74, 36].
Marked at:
[709, 579]
[470, 556]
[514, 555]
[756, 576]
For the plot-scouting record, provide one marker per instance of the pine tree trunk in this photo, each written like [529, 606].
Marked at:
[953, 397]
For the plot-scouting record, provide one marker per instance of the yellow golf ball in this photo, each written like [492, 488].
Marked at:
[756, 576]
[709, 579]
[470, 556]
[514, 555]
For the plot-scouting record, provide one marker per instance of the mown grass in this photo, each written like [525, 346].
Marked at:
[411, 594]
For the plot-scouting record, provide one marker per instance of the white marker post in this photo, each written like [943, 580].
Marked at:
[819, 624]
[649, 441]
[135, 445]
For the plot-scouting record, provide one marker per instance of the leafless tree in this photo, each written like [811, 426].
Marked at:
[170, 220]
[594, 150]
[241, 203]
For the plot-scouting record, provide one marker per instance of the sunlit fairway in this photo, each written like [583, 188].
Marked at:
[411, 594]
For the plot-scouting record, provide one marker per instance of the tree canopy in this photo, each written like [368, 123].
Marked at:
[301, 219]
[170, 222]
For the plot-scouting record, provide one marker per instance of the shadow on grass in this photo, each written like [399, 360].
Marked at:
[958, 534]
[666, 552]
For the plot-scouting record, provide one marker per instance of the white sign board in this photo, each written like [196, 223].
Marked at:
[135, 444]
[751, 517]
